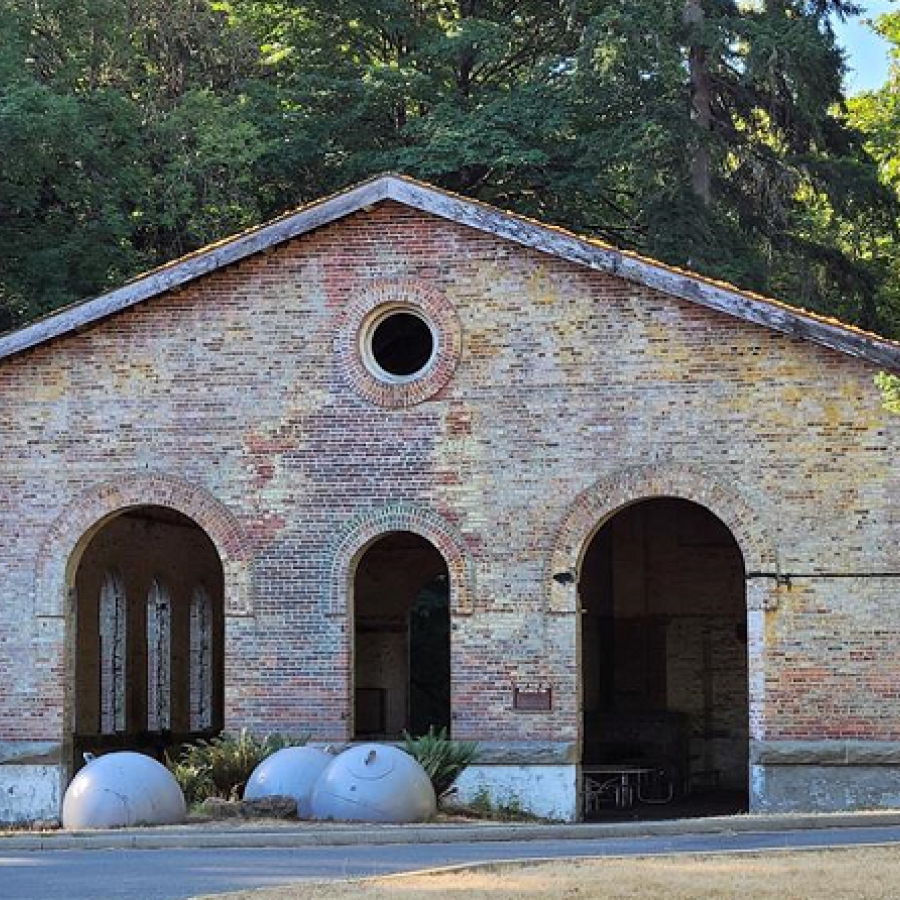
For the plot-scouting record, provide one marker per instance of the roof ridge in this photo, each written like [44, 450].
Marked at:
[554, 239]
[649, 260]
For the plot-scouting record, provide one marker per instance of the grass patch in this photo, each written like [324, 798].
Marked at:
[482, 807]
[848, 874]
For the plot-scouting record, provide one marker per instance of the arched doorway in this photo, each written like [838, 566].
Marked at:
[664, 654]
[401, 622]
[149, 629]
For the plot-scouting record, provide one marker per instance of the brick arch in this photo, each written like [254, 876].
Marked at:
[400, 292]
[88, 512]
[596, 505]
[363, 531]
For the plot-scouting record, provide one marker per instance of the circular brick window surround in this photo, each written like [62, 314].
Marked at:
[398, 342]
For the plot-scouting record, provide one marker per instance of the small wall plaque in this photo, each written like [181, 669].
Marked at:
[532, 697]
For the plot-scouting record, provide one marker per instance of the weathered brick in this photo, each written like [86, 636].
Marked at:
[561, 395]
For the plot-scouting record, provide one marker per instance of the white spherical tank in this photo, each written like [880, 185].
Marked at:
[374, 783]
[291, 772]
[122, 789]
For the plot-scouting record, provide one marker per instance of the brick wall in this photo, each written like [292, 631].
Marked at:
[241, 388]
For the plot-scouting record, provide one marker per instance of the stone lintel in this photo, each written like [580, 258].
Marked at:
[825, 753]
[526, 753]
[30, 753]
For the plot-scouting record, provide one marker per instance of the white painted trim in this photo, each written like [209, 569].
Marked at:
[367, 334]
[29, 792]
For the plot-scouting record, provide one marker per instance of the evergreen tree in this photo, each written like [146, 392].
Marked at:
[708, 134]
[743, 169]
[876, 115]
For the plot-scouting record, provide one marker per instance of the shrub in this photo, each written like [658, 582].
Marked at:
[221, 766]
[440, 757]
[890, 388]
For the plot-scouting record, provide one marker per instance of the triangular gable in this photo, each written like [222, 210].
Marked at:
[415, 194]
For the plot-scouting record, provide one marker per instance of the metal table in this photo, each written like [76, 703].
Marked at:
[621, 782]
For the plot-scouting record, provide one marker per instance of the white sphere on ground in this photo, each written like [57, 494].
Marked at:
[374, 783]
[291, 772]
[121, 789]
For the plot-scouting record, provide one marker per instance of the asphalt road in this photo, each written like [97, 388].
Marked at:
[179, 874]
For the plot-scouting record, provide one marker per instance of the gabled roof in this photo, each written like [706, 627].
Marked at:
[547, 238]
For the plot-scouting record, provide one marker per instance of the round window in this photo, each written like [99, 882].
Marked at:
[400, 345]
[398, 342]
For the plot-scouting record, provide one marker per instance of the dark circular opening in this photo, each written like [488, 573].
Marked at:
[402, 344]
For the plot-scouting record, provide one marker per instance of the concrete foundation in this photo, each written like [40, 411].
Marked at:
[29, 792]
[547, 791]
[778, 789]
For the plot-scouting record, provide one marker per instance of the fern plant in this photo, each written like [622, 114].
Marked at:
[221, 766]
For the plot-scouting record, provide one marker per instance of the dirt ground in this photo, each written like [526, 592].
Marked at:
[200, 822]
[851, 874]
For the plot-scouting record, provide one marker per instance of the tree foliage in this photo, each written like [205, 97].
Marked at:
[890, 389]
[876, 115]
[708, 134]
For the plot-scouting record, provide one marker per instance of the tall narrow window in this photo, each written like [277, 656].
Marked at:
[159, 658]
[201, 659]
[113, 619]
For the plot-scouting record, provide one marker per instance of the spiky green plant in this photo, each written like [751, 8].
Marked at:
[193, 779]
[443, 759]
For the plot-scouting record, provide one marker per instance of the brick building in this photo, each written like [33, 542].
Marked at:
[401, 459]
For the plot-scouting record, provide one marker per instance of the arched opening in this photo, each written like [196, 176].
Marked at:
[664, 663]
[149, 633]
[401, 606]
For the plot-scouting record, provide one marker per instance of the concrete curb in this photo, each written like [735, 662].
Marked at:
[195, 838]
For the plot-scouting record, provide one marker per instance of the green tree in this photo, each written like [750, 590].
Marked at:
[61, 238]
[708, 134]
[126, 140]
[703, 133]
[876, 114]
[467, 94]
[736, 161]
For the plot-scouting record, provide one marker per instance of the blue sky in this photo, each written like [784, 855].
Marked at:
[868, 53]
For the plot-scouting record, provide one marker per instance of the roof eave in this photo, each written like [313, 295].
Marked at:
[167, 278]
[473, 214]
[659, 277]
